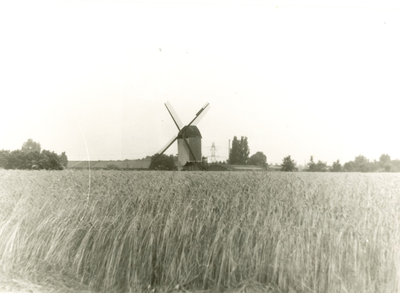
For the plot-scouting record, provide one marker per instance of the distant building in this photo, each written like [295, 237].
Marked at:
[143, 164]
[228, 167]
[274, 168]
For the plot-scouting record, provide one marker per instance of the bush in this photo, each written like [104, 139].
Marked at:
[30, 160]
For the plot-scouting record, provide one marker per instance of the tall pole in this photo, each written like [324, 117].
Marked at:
[229, 149]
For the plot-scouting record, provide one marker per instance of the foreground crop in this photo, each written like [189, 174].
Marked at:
[128, 231]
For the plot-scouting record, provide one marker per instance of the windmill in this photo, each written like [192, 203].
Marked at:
[189, 139]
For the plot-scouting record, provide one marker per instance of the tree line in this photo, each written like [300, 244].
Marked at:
[239, 154]
[31, 156]
[360, 164]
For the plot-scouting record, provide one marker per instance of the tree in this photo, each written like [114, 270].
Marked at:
[288, 165]
[316, 167]
[387, 167]
[336, 166]
[49, 161]
[4, 155]
[30, 157]
[395, 165]
[321, 166]
[349, 167]
[16, 160]
[239, 153]
[374, 166]
[312, 167]
[163, 162]
[361, 164]
[234, 152]
[64, 160]
[30, 146]
[244, 150]
[258, 159]
[384, 158]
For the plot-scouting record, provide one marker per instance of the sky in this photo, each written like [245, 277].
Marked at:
[299, 78]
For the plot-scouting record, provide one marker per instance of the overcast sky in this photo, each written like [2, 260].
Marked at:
[300, 78]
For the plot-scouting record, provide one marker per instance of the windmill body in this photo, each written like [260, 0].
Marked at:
[193, 137]
[189, 140]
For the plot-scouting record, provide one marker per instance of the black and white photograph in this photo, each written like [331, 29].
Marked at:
[199, 146]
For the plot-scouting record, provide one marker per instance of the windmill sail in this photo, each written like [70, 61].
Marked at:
[174, 116]
[198, 115]
[164, 149]
[201, 114]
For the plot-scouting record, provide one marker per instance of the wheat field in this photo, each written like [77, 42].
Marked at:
[121, 231]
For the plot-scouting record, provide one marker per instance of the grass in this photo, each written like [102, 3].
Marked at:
[203, 231]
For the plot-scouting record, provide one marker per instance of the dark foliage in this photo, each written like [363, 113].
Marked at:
[163, 162]
[336, 167]
[239, 153]
[362, 164]
[258, 159]
[316, 167]
[288, 165]
[30, 157]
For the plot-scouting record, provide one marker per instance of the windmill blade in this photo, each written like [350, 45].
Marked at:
[174, 116]
[164, 149]
[200, 114]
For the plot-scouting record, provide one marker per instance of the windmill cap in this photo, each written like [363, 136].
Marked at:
[189, 132]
